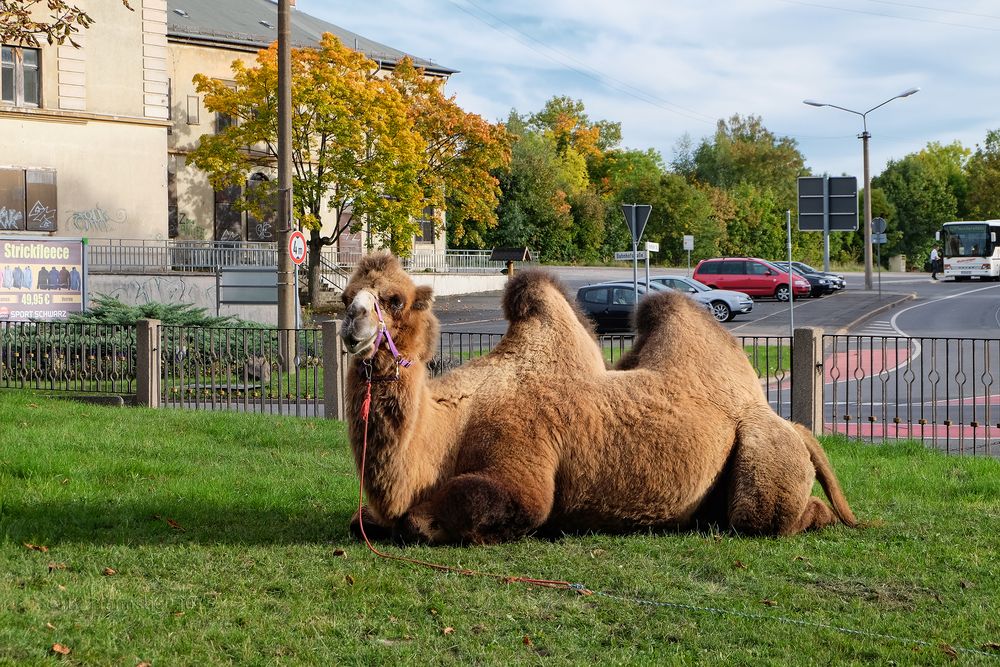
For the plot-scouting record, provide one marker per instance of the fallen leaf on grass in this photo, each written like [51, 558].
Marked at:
[966, 584]
[991, 646]
[949, 651]
[769, 602]
[56, 566]
[526, 640]
[60, 649]
[596, 553]
[109, 572]
[143, 664]
[61, 587]
[36, 547]
[32, 405]
[740, 565]
[349, 579]
[340, 553]
[173, 524]
[448, 631]
[50, 626]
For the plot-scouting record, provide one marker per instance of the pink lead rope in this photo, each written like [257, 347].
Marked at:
[384, 335]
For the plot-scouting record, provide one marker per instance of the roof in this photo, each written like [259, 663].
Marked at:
[254, 24]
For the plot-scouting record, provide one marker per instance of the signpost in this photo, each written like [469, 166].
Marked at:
[636, 217]
[297, 248]
[689, 246]
[878, 238]
[828, 204]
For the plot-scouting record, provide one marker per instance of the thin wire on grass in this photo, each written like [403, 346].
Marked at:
[580, 588]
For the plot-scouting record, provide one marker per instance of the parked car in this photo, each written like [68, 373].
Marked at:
[751, 275]
[836, 280]
[818, 285]
[610, 304]
[724, 304]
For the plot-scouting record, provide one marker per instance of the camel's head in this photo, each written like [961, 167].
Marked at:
[381, 292]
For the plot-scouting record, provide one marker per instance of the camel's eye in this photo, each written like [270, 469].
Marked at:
[347, 298]
[395, 302]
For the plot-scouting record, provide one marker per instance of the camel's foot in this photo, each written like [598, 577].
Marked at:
[373, 528]
[470, 509]
[817, 514]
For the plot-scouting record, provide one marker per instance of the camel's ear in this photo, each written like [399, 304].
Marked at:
[424, 298]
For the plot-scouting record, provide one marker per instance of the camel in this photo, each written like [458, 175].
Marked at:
[539, 436]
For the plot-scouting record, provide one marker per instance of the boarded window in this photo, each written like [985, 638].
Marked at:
[40, 198]
[193, 110]
[427, 227]
[228, 218]
[12, 200]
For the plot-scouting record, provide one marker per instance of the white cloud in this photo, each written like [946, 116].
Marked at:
[695, 62]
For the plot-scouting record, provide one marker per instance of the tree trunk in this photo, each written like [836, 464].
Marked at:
[314, 282]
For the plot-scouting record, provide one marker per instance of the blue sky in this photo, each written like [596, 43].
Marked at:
[673, 68]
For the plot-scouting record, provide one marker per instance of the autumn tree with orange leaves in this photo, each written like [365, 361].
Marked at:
[367, 148]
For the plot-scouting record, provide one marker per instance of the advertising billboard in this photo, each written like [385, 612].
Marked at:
[41, 279]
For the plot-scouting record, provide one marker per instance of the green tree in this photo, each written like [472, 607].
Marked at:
[917, 192]
[984, 179]
[462, 151]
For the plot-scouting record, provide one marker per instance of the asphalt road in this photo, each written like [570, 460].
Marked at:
[908, 304]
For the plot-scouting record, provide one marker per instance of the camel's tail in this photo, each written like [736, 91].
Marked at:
[827, 478]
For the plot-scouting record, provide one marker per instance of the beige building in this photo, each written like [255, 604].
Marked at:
[95, 139]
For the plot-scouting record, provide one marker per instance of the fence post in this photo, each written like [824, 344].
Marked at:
[147, 363]
[333, 371]
[807, 378]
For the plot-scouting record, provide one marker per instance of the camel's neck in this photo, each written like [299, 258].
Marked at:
[397, 451]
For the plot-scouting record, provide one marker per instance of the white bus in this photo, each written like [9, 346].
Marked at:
[970, 249]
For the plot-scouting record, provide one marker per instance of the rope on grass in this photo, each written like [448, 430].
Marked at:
[580, 588]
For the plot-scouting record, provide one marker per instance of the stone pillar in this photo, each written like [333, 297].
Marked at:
[334, 365]
[148, 369]
[807, 378]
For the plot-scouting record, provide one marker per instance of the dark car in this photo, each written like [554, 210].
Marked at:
[819, 285]
[750, 275]
[836, 281]
[609, 305]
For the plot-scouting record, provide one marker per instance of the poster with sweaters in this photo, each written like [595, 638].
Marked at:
[41, 279]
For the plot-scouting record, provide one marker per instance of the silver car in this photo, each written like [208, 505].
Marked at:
[724, 304]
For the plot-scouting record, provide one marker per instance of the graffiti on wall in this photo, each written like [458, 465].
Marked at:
[41, 217]
[97, 219]
[158, 289]
[10, 218]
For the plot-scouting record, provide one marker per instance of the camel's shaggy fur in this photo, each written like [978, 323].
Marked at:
[539, 435]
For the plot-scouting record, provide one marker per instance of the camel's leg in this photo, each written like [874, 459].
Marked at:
[772, 479]
[375, 528]
[479, 508]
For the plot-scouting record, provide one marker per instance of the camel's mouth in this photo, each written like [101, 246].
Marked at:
[355, 346]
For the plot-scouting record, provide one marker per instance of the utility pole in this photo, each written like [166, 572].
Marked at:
[286, 281]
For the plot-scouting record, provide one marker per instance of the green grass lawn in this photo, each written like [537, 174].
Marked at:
[181, 537]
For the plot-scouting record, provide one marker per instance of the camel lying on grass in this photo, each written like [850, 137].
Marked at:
[539, 436]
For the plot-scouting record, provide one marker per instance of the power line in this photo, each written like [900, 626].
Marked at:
[890, 16]
[936, 9]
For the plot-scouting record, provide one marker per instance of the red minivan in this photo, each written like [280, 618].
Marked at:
[756, 277]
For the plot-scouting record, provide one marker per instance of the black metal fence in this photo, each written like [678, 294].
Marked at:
[62, 357]
[225, 368]
[944, 392]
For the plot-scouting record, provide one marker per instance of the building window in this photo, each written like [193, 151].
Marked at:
[426, 234]
[223, 121]
[193, 110]
[20, 83]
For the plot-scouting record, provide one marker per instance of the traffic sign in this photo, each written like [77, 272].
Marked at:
[879, 238]
[636, 217]
[629, 255]
[297, 247]
[878, 225]
[688, 242]
[652, 247]
[834, 198]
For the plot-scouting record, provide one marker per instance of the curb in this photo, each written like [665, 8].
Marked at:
[881, 309]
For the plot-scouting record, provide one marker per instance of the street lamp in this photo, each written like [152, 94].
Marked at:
[864, 136]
